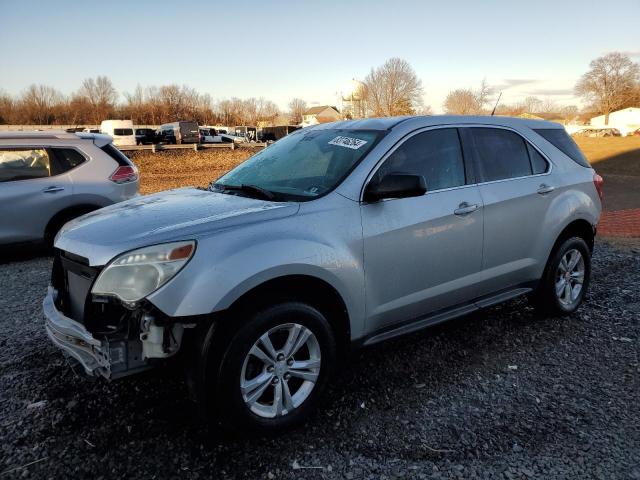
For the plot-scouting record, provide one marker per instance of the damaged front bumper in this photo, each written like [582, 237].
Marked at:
[108, 358]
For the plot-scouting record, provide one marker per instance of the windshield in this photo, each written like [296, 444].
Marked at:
[122, 131]
[303, 165]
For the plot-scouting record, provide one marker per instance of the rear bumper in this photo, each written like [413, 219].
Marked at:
[75, 340]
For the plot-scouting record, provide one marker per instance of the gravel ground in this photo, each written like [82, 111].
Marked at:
[498, 394]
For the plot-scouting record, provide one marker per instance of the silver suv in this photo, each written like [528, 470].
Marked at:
[339, 235]
[49, 178]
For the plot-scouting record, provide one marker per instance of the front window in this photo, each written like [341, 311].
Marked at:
[123, 131]
[304, 165]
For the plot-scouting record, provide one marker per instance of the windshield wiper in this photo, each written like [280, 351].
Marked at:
[253, 189]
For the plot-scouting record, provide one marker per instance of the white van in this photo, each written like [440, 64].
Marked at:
[121, 131]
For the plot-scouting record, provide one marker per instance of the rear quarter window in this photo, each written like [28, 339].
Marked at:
[117, 155]
[560, 139]
[66, 159]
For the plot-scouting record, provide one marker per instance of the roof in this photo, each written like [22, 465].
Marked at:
[387, 123]
[99, 139]
[37, 134]
[319, 109]
[628, 109]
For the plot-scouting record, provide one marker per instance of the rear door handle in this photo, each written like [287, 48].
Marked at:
[53, 189]
[465, 208]
[544, 189]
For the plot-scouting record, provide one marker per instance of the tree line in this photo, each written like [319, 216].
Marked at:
[393, 88]
[97, 100]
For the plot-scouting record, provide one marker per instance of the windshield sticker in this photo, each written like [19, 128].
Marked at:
[348, 142]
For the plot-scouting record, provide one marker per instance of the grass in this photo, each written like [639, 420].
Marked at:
[180, 168]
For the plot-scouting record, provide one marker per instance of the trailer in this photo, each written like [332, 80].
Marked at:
[272, 134]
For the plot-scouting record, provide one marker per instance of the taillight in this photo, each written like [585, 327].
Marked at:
[598, 181]
[124, 174]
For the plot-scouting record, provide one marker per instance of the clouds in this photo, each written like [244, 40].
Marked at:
[550, 92]
[508, 83]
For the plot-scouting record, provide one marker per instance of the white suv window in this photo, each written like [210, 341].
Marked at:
[24, 164]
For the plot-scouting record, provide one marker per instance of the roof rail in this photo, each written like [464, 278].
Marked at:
[37, 134]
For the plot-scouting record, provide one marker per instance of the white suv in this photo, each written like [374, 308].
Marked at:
[49, 178]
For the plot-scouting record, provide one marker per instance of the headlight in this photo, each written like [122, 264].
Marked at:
[136, 274]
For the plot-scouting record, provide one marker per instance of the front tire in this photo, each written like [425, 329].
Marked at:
[566, 278]
[276, 363]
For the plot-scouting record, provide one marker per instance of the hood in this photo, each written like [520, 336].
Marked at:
[181, 214]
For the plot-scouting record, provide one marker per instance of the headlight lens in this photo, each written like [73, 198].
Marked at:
[136, 274]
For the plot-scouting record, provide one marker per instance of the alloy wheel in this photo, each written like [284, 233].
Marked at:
[570, 277]
[280, 370]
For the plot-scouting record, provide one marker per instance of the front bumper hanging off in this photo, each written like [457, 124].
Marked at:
[110, 359]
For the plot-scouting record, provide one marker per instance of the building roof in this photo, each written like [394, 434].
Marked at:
[319, 109]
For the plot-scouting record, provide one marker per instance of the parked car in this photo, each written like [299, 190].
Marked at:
[49, 178]
[336, 236]
[179, 132]
[146, 136]
[209, 135]
[120, 130]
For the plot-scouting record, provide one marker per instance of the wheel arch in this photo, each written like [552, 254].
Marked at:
[577, 228]
[65, 215]
[304, 288]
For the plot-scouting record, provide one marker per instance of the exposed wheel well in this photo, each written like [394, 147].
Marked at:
[63, 216]
[307, 289]
[577, 228]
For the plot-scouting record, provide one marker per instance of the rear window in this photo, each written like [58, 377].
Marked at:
[501, 154]
[122, 131]
[560, 139]
[117, 155]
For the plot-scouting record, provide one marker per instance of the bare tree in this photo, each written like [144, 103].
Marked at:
[37, 104]
[465, 101]
[532, 105]
[7, 108]
[393, 89]
[297, 107]
[483, 94]
[102, 96]
[462, 102]
[609, 83]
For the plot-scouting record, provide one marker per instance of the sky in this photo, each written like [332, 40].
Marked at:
[312, 49]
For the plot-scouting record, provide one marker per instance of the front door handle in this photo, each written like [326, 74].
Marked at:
[465, 208]
[53, 189]
[544, 189]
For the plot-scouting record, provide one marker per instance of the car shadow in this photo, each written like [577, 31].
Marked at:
[621, 175]
[23, 252]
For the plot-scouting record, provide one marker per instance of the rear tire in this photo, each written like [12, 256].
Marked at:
[250, 386]
[566, 278]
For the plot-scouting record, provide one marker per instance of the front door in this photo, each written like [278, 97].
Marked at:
[29, 195]
[422, 254]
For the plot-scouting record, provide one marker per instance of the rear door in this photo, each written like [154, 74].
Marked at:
[31, 192]
[516, 191]
[423, 254]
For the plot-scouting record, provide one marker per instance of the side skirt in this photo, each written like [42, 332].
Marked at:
[443, 315]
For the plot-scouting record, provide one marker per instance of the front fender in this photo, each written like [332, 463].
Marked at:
[216, 277]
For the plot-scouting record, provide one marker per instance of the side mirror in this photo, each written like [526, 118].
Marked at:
[396, 185]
